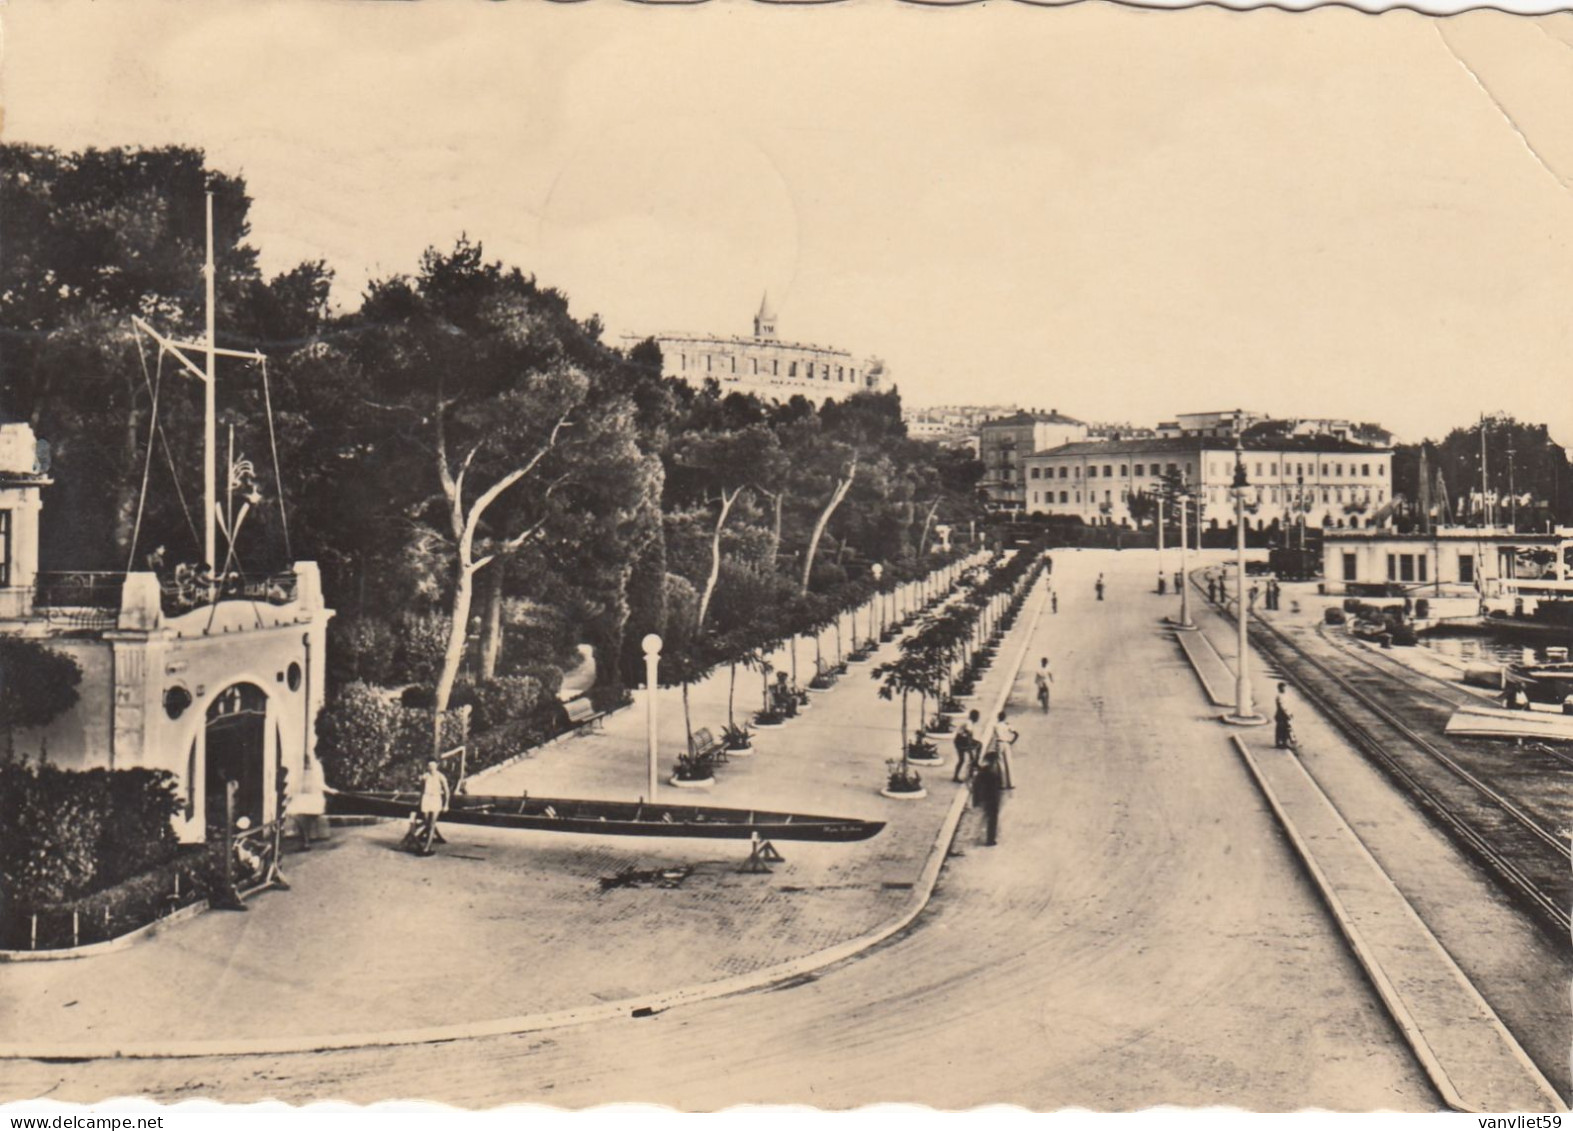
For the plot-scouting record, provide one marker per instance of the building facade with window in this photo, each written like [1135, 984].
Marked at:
[1326, 482]
[766, 366]
[1005, 443]
[1506, 569]
[213, 680]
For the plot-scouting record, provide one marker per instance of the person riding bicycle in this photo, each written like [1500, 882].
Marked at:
[1041, 680]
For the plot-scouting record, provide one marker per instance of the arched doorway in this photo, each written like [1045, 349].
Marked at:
[236, 740]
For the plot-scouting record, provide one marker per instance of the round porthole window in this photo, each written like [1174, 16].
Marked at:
[176, 700]
[293, 677]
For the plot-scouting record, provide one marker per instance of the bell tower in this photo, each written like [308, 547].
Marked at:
[765, 320]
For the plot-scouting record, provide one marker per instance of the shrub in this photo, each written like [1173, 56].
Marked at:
[422, 639]
[507, 699]
[901, 778]
[66, 833]
[735, 737]
[362, 648]
[365, 740]
[37, 684]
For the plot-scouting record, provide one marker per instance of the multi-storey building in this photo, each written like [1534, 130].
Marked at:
[764, 365]
[1004, 443]
[1325, 481]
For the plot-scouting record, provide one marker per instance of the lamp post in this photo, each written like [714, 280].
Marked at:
[1160, 542]
[1185, 571]
[652, 660]
[1244, 713]
[879, 597]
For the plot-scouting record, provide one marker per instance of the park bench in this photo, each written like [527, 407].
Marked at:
[707, 745]
[579, 714]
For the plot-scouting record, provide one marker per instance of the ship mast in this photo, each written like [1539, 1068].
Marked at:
[209, 414]
[208, 374]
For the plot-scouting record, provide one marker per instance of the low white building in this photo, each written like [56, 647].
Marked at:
[211, 681]
[1505, 568]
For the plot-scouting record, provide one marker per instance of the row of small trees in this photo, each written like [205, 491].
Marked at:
[944, 660]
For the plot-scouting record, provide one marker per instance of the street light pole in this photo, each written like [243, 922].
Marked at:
[652, 660]
[1160, 541]
[1244, 713]
[1185, 570]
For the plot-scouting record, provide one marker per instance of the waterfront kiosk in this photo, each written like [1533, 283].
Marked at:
[1510, 570]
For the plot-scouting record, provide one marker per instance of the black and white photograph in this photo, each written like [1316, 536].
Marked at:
[748, 553]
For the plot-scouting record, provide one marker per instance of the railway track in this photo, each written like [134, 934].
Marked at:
[1491, 799]
[1528, 853]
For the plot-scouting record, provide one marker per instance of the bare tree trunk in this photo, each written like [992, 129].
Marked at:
[688, 726]
[453, 653]
[731, 693]
[928, 520]
[727, 499]
[842, 487]
[491, 623]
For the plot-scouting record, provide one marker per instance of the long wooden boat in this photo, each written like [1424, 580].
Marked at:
[609, 818]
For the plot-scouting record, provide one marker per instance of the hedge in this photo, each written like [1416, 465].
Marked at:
[367, 740]
[66, 833]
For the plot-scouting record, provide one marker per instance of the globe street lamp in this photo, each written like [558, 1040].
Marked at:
[1244, 713]
[652, 659]
[878, 571]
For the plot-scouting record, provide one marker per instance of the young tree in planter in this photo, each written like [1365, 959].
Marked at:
[910, 673]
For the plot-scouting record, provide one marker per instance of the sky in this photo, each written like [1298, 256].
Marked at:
[1121, 214]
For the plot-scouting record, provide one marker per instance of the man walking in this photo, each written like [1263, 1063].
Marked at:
[1001, 744]
[986, 795]
[1099, 586]
[435, 794]
[1054, 600]
[964, 756]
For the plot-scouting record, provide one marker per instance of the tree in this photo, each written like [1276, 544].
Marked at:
[489, 379]
[37, 686]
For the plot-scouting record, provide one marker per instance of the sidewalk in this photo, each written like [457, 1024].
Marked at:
[1366, 851]
[505, 924]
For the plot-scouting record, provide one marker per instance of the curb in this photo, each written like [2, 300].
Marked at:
[1385, 990]
[108, 946]
[642, 1006]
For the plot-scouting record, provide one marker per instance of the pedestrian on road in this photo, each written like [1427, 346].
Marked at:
[1284, 736]
[1162, 585]
[1041, 681]
[1099, 586]
[1054, 600]
[1001, 744]
[964, 756]
[1255, 591]
[986, 795]
[1212, 589]
[435, 795]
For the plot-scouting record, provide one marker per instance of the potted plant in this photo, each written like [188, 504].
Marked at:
[902, 782]
[769, 717]
[736, 740]
[939, 724]
[694, 771]
[923, 753]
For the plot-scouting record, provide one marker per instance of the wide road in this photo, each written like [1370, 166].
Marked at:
[1141, 935]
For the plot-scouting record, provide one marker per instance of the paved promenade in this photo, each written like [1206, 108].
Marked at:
[1141, 935]
[373, 941]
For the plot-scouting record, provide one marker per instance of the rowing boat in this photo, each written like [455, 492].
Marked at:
[609, 818]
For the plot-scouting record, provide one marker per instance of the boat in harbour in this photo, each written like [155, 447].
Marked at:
[1499, 722]
[609, 818]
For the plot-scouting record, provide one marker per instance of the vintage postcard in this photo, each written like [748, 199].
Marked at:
[746, 553]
